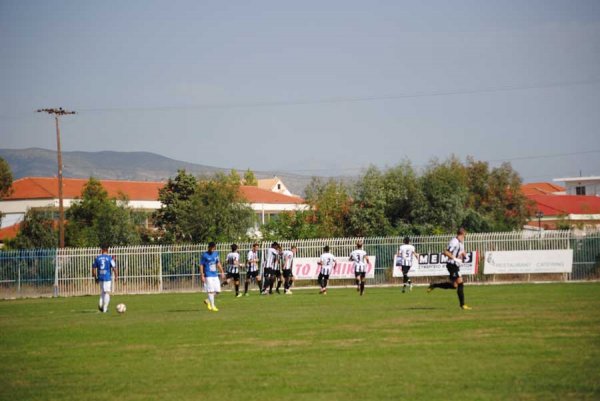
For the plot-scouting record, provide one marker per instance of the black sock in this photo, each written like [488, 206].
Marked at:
[325, 283]
[405, 279]
[445, 286]
[461, 294]
[278, 284]
[362, 287]
[237, 289]
[245, 287]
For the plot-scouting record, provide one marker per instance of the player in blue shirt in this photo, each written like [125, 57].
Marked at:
[209, 263]
[102, 270]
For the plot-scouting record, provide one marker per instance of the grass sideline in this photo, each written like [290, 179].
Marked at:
[520, 342]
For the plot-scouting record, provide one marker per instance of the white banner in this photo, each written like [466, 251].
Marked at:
[308, 269]
[434, 264]
[514, 262]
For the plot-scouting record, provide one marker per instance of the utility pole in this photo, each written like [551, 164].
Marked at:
[61, 210]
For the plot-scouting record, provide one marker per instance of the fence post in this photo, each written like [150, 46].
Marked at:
[160, 274]
[19, 281]
[56, 267]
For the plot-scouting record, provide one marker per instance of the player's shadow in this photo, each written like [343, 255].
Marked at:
[420, 308]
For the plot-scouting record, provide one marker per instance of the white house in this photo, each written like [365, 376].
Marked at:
[581, 185]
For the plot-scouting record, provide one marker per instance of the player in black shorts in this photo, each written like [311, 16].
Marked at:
[233, 269]
[456, 254]
[252, 269]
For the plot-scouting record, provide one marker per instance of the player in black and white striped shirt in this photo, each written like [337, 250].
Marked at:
[327, 262]
[287, 257]
[232, 269]
[252, 268]
[271, 271]
[456, 254]
[405, 258]
[361, 260]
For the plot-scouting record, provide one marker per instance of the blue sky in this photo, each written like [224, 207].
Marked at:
[314, 87]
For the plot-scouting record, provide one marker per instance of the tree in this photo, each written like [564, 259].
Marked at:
[97, 220]
[6, 180]
[330, 202]
[292, 225]
[445, 191]
[234, 177]
[367, 213]
[37, 230]
[216, 211]
[175, 197]
[250, 178]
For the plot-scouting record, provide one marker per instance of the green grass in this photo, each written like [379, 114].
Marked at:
[520, 342]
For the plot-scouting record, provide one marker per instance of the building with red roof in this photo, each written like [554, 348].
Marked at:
[557, 211]
[42, 192]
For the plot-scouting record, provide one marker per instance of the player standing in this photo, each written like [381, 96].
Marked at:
[405, 257]
[209, 263]
[233, 269]
[327, 262]
[252, 269]
[361, 260]
[102, 269]
[456, 254]
[271, 269]
[288, 264]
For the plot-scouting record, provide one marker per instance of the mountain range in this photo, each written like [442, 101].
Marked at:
[134, 166]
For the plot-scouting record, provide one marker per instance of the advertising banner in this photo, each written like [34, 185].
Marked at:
[516, 262]
[308, 269]
[434, 264]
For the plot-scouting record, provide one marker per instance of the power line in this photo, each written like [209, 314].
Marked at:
[335, 100]
[508, 159]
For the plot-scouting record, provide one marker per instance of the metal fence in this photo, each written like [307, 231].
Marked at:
[173, 268]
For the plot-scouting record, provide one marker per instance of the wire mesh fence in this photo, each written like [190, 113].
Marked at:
[174, 268]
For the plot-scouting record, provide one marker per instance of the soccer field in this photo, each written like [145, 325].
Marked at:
[520, 342]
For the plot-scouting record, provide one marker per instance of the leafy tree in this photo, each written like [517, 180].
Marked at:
[250, 178]
[368, 210]
[216, 211]
[330, 202]
[175, 197]
[6, 180]
[292, 225]
[37, 230]
[234, 177]
[444, 188]
[97, 219]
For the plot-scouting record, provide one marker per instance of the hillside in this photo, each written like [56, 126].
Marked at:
[135, 166]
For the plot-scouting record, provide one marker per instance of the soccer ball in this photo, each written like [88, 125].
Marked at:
[121, 308]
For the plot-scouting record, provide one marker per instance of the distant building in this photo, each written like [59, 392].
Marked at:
[42, 192]
[589, 186]
[274, 185]
[556, 208]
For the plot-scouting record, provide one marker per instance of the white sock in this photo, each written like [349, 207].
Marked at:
[106, 301]
[211, 299]
[100, 301]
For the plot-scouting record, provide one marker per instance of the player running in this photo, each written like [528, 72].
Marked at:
[405, 259]
[456, 254]
[102, 269]
[361, 261]
[209, 263]
[252, 269]
[288, 264]
[233, 269]
[327, 262]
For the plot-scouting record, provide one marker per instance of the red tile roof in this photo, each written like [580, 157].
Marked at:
[47, 188]
[259, 195]
[556, 205]
[541, 188]
[9, 232]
